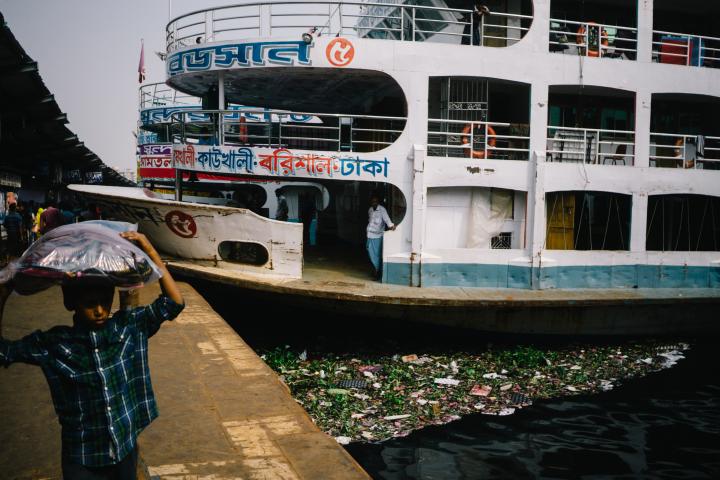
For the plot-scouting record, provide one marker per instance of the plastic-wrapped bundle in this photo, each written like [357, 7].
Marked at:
[88, 250]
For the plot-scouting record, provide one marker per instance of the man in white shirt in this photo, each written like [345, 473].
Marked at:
[378, 219]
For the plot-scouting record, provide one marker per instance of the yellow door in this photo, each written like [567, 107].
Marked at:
[560, 221]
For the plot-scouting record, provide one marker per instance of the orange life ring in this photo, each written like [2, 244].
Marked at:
[491, 140]
[593, 43]
[243, 130]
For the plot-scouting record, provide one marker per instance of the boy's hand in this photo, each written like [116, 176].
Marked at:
[167, 284]
[141, 240]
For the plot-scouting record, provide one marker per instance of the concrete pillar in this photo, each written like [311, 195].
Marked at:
[178, 185]
[221, 90]
[265, 19]
[419, 205]
[539, 93]
[638, 222]
[645, 27]
[643, 103]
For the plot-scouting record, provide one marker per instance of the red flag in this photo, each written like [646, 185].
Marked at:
[141, 66]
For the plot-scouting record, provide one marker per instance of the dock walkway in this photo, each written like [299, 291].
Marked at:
[223, 413]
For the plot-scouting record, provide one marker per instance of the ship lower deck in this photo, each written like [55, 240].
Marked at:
[331, 284]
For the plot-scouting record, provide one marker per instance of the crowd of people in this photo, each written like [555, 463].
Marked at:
[25, 222]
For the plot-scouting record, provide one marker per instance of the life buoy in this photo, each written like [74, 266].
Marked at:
[243, 130]
[594, 42]
[491, 141]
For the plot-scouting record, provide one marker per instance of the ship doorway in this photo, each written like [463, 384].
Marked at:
[340, 230]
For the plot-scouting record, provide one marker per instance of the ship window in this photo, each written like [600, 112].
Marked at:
[248, 253]
[588, 221]
[683, 223]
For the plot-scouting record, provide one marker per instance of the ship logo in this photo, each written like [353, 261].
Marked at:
[340, 52]
[181, 224]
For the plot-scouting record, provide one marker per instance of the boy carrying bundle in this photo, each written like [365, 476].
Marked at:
[97, 370]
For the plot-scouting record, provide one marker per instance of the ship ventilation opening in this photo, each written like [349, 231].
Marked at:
[685, 131]
[594, 28]
[683, 223]
[475, 218]
[686, 33]
[588, 124]
[246, 253]
[336, 245]
[588, 221]
[479, 118]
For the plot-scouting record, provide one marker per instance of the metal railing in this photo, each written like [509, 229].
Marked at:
[592, 39]
[685, 49]
[476, 139]
[384, 20]
[590, 145]
[282, 129]
[669, 150]
[160, 95]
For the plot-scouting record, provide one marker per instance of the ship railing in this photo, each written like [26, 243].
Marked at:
[669, 150]
[590, 145]
[592, 39]
[685, 49]
[478, 139]
[285, 129]
[384, 20]
[160, 95]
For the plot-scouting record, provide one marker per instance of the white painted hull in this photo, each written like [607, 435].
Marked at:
[195, 231]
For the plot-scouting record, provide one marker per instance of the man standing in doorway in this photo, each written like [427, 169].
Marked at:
[378, 219]
[282, 206]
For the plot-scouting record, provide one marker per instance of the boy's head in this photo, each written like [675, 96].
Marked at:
[91, 301]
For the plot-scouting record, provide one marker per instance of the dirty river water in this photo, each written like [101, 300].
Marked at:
[664, 425]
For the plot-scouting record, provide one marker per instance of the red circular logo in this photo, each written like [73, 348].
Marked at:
[340, 52]
[181, 224]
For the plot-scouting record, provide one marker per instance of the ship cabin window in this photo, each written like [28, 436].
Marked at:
[591, 125]
[594, 28]
[481, 118]
[587, 221]
[475, 218]
[686, 33]
[685, 131]
[683, 223]
[447, 21]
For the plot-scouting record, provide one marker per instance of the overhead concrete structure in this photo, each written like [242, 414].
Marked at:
[39, 151]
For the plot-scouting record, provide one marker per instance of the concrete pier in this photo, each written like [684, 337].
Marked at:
[335, 289]
[223, 413]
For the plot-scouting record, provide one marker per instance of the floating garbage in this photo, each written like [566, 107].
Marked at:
[402, 392]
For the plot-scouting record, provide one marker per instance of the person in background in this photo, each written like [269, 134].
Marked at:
[378, 220]
[282, 211]
[26, 216]
[67, 213]
[13, 226]
[51, 218]
[36, 224]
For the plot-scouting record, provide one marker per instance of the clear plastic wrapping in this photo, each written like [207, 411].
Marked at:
[87, 250]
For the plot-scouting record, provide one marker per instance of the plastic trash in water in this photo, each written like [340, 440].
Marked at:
[88, 250]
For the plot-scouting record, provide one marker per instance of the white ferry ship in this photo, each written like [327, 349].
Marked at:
[546, 144]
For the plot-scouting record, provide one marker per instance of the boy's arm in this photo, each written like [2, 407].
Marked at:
[167, 283]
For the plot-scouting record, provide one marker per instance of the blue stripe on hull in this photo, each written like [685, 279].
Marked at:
[590, 276]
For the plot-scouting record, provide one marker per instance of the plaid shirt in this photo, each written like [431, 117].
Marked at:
[99, 380]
